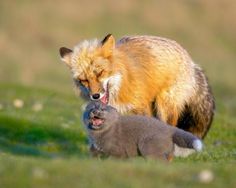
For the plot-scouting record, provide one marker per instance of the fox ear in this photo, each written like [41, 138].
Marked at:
[108, 45]
[65, 54]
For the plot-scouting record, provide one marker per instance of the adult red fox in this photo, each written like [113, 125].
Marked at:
[144, 75]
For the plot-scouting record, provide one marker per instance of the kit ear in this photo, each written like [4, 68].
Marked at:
[65, 54]
[108, 45]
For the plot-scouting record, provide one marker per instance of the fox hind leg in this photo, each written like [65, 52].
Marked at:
[151, 148]
[198, 113]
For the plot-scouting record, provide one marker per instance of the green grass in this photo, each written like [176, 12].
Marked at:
[48, 148]
[53, 131]
[33, 172]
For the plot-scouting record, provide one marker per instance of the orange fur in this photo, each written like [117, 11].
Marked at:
[144, 74]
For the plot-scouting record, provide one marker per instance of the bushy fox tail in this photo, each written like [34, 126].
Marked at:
[187, 140]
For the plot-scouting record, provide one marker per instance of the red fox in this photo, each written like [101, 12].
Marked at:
[144, 75]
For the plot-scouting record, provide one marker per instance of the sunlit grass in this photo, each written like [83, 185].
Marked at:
[42, 140]
[49, 148]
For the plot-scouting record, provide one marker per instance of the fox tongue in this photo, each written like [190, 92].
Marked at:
[104, 99]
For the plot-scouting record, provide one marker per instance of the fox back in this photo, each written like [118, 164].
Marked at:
[144, 75]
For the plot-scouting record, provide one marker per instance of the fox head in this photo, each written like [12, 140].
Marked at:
[92, 69]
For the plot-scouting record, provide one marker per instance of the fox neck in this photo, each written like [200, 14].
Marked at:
[116, 95]
[122, 84]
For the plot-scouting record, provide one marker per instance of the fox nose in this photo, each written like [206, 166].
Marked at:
[95, 96]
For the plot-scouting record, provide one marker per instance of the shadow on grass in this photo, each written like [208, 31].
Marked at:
[23, 137]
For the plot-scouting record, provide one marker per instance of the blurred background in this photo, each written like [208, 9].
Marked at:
[31, 32]
[40, 113]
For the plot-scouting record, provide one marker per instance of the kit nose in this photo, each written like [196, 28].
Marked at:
[95, 96]
[95, 113]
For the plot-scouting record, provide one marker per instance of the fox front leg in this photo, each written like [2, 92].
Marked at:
[145, 111]
[167, 113]
[94, 151]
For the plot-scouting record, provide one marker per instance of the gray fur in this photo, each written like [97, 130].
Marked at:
[130, 136]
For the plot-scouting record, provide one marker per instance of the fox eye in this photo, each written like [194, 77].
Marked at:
[100, 73]
[84, 82]
[81, 82]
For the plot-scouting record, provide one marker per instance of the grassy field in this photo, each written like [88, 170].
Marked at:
[42, 140]
[47, 147]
